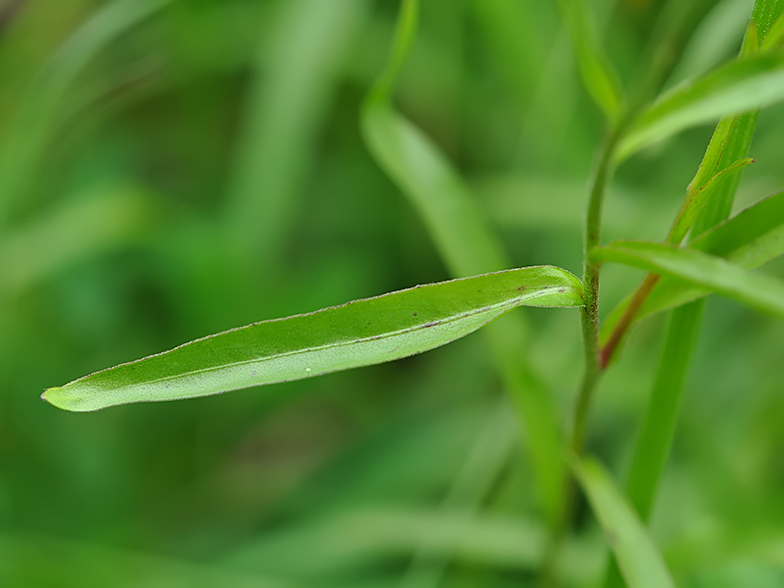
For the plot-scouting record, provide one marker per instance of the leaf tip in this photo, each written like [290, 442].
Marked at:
[58, 397]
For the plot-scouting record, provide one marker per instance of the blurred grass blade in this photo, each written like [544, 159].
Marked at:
[78, 228]
[359, 536]
[453, 219]
[716, 36]
[468, 246]
[363, 332]
[295, 82]
[597, 74]
[78, 564]
[487, 459]
[34, 122]
[661, 416]
[743, 84]
[639, 558]
[759, 291]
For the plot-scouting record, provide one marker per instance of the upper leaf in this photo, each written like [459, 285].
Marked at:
[743, 84]
[359, 333]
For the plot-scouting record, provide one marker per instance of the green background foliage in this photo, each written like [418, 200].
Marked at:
[174, 168]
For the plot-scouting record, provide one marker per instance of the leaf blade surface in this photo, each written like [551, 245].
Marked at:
[359, 333]
[741, 85]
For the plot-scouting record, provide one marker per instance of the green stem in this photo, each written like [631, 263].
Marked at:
[590, 331]
[405, 31]
[590, 312]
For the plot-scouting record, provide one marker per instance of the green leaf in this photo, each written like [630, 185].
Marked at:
[735, 237]
[746, 83]
[775, 36]
[696, 199]
[750, 239]
[638, 557]
[759, 291]
[363, 332]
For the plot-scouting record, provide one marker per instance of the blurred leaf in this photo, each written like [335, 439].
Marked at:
[744, 84]
[759, 291]
[363, 332]
[639, 558]
[78, 228]
[34, 123]
[596, 71]
[35, 560]
[296, 80]
[717, 37]
[453, 219]
[352, 538]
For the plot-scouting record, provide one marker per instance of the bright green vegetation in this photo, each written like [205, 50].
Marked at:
[362, 332]
[170, 169]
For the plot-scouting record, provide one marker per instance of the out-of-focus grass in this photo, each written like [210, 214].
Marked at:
[178, 168]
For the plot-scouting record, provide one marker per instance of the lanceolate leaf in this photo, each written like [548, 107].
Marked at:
[637, 555]
[759, 291]
[744, 84]
[362, 332]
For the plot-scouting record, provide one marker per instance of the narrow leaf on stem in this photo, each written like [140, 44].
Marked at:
[363, 332]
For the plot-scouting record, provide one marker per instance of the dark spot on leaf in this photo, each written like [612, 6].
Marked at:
[433, 324]
[415, 314]
[562, 290]
[521, 288]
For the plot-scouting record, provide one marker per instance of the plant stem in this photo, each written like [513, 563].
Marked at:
[590, 330]
[590, 312]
